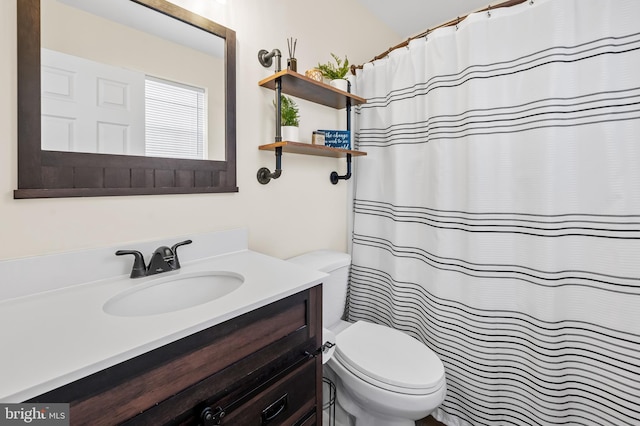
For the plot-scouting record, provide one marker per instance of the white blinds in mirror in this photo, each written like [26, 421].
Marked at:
[175, 120]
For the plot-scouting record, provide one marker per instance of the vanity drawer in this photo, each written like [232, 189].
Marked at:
[286, 402]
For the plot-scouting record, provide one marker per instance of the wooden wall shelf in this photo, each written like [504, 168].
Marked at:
[310, 149]
[302, 87]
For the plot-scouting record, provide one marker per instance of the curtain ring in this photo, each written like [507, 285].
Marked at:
[426, 36]
[531, 2]
[489, 11]
[457, 22]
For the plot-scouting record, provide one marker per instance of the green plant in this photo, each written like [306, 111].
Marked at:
[335, 72]
[289, 112]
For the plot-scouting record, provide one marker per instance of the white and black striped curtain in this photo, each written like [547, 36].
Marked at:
[497, 214]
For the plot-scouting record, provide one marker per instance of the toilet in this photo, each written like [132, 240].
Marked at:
[383, 376]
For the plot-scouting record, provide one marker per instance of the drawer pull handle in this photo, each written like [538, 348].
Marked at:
[273, 410]
[210, 417]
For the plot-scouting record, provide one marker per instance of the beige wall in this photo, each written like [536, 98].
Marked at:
[298, 212]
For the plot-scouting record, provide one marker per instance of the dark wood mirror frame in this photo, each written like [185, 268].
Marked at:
[53, 174]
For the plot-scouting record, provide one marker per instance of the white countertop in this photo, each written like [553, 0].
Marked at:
[55, 337]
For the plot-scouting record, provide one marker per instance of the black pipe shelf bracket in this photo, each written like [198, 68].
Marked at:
[335, 177]
[305, 88]
[266, 60]
[264, 174]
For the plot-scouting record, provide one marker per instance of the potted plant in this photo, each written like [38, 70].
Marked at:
[336, 73]
[290, 119]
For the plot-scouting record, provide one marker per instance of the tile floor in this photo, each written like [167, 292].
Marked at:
[429, 421]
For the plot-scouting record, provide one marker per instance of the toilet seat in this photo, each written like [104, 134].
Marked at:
[389, 359]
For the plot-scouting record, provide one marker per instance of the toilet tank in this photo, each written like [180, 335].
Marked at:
[334, 288]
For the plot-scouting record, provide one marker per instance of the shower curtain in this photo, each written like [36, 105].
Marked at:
[497, 213]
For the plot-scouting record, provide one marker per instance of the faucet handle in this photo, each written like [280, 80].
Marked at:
[139, 269]
[174, 249]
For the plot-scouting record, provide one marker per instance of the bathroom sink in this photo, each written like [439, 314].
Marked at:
[173, 293]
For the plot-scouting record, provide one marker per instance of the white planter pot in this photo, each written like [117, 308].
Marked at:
[340, 84]
[290, 133]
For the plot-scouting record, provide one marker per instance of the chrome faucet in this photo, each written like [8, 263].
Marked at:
[163, 259]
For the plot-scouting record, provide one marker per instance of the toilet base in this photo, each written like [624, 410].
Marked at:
[360, 418]
[366, 412]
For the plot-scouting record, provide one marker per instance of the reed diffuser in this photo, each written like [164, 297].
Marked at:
[292, 62]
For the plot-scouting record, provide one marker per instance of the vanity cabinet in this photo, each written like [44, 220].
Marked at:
[256, 369]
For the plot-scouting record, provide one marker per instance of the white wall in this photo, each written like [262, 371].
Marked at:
[298, 212]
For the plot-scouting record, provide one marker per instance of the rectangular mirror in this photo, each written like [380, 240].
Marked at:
[134, 97]
[122, 88]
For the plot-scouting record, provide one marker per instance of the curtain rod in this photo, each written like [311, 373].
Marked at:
[446, 24]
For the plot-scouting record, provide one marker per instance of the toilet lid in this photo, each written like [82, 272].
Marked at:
[389, 357]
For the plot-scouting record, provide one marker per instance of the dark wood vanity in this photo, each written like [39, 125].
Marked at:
[255, 369]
